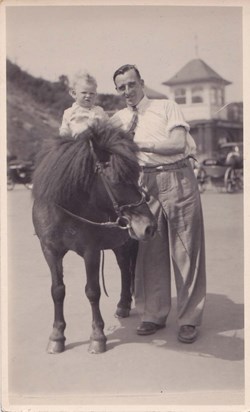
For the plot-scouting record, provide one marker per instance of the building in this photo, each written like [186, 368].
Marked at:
[153, 94]
[200, 91]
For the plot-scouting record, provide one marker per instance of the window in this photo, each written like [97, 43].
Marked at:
[220, 97]
[180, 96]
[213, 95]
[217, 96]
[197, 95]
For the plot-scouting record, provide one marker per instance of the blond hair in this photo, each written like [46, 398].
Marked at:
[83, 75]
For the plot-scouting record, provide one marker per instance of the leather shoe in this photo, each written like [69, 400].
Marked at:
[187, 334]
[148, 328]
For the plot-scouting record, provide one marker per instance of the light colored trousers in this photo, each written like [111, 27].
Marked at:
[179, 244]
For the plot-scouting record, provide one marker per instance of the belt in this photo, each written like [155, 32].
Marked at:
[162, 168]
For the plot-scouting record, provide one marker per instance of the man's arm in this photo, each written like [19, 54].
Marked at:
[175, 143]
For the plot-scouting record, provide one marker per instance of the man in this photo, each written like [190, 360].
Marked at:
[164, 143]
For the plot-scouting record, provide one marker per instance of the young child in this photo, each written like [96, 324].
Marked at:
[83, 112]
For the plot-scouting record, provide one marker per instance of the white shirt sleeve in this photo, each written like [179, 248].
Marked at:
[175, 116]
[64, 130]
[175, 119]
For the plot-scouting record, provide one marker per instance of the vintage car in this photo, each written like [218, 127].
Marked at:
[19, 171]
[231, 154]
[224, 169]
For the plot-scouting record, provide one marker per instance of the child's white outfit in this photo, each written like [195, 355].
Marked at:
[76, 119]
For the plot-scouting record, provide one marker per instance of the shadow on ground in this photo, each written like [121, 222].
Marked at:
[219, 337]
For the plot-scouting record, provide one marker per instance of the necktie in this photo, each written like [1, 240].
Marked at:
[134, 121]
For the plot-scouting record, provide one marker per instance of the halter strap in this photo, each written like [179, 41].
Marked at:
[84, 220]
[121, 222]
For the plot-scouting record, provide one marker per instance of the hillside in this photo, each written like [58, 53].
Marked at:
[28, 123]
[35, 107]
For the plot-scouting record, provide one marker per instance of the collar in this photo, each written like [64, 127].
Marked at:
[77, 106]
[143, 103]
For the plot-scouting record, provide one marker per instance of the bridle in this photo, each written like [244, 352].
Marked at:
[122, 221]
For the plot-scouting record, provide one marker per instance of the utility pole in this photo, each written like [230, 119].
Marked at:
[196, 46]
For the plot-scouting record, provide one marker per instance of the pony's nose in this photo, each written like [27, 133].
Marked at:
[143, 228]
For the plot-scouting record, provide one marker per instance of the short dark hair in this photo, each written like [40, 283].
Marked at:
[125, 68]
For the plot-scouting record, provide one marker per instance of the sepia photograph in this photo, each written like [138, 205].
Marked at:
[124, 206]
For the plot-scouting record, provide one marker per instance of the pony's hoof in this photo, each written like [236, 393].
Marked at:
[97, 346]
[55, 347]
[122, 312]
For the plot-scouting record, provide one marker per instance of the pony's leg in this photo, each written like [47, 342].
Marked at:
[126, 258]
[57, 339]
[93, 293]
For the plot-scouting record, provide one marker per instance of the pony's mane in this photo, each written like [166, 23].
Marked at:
[65, 167]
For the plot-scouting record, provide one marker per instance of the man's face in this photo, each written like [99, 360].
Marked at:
[130, 86]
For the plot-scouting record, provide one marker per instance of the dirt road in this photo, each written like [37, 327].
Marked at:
[153, 370]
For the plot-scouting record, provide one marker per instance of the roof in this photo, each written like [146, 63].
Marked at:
[153, 94]
[195, 71]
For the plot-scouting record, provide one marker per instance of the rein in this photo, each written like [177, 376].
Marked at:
[121, 222]
[84, 220]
